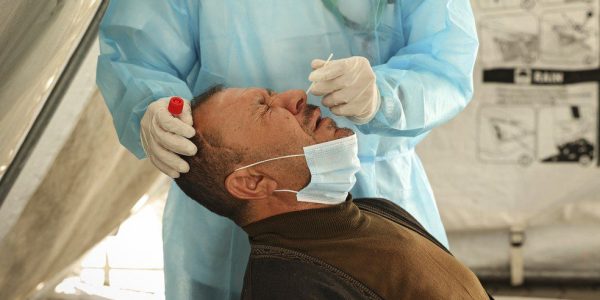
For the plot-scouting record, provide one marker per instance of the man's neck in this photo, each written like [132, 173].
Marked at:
[267, 208]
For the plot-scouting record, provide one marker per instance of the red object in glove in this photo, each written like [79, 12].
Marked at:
[175, 106]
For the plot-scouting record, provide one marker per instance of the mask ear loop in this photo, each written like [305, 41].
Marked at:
[267, 160]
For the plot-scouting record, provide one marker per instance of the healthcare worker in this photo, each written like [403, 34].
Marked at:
[400, 68]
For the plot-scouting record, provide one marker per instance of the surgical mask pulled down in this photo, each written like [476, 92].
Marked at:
[332, 165]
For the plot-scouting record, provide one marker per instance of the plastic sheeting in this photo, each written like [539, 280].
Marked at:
[524, 154]
[37, 38]
[87, 192]
[56, 132]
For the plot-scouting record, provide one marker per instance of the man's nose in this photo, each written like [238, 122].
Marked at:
[292, 100]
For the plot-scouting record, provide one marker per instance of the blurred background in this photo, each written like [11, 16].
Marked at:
[516, 175]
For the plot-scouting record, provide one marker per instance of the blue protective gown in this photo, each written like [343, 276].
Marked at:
[422, 52]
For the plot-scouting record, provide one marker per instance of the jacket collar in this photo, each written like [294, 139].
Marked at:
[320, 223]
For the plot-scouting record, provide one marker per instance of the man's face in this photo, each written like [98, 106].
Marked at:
[264, 124]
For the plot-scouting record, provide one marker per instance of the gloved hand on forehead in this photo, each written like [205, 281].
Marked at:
[163, 136]
[348, 86]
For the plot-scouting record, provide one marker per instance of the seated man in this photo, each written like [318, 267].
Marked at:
[265, 161]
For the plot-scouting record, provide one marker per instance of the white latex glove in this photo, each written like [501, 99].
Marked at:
[164, 135]
[349, 87]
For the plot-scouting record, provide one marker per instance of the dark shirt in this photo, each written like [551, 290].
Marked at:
[379, 255]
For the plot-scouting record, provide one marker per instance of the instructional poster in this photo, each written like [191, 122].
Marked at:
[529, 140]
[540, 81]
[525, 152]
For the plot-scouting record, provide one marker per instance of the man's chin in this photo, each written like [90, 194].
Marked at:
[342, 133]
[333, 134]
[339, 132]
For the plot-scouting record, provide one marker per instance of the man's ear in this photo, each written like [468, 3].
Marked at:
[247, 184]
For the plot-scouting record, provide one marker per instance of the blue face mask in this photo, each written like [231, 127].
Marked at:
[332, 165]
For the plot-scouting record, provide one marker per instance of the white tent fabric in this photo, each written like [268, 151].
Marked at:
[38, 39]
[524, 155]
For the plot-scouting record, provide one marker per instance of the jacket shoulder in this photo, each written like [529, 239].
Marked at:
[279, 273]
[391, 211]
[386, 206]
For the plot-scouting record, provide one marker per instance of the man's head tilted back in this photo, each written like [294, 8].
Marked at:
[237, 127]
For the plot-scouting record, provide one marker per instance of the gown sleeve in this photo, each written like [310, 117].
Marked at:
[430, 80]
[147, 50]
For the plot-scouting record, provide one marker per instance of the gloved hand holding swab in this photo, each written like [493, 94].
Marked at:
[313, 83]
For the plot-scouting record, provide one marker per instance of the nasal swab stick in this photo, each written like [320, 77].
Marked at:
[313, 83]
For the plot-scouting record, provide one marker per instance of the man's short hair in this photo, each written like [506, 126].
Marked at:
[205, 182]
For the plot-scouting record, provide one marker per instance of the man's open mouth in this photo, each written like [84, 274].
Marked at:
[318, 122]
